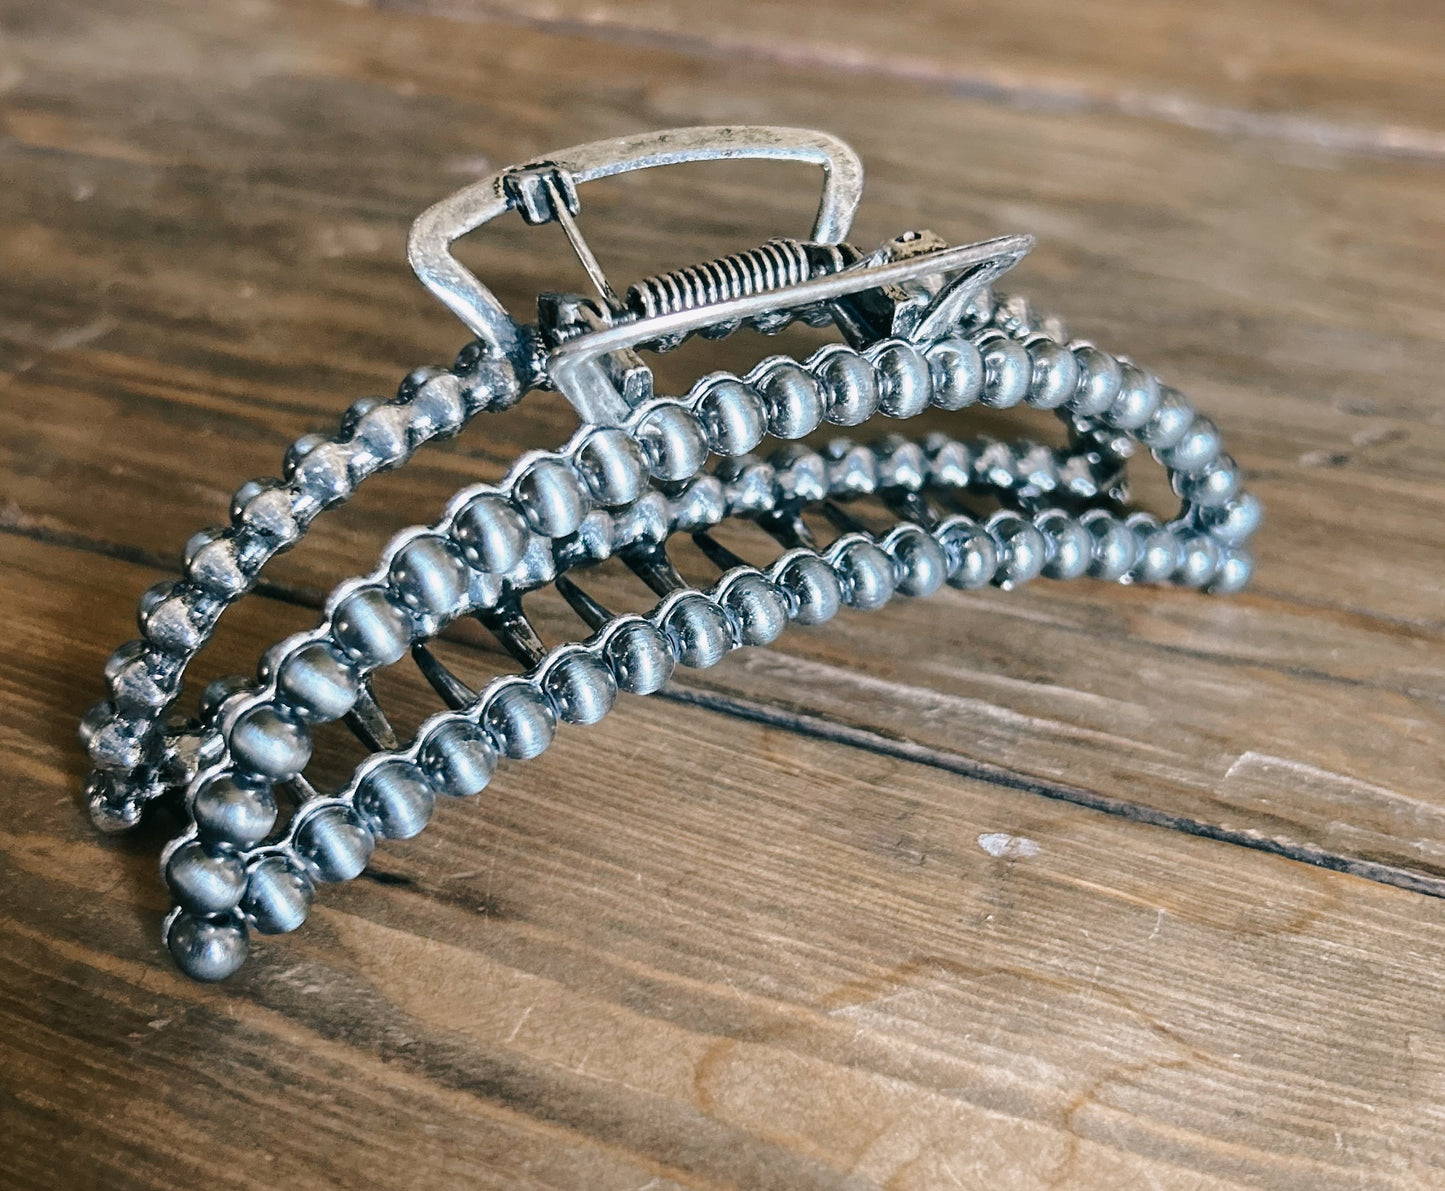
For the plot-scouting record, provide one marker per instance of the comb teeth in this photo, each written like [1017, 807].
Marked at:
[451, 689]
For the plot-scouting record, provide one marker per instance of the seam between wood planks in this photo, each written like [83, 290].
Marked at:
[869, 740]
[1379, 140]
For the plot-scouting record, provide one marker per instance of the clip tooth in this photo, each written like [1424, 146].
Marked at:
[593, 614]
[510, 626]
[841, 519]
[453, 691]
[369, 723]
[787, 527]
[654, 568]
[911, 506]
[718, 554]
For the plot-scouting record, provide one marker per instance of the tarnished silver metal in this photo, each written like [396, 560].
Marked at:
[851, 526]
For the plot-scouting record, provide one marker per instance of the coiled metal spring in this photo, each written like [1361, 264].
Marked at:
[771, 266]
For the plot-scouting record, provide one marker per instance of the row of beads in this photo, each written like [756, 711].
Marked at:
[122, 733]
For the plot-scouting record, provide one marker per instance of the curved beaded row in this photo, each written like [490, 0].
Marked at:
[389, 794]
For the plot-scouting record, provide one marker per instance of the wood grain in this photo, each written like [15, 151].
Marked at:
[843, 913]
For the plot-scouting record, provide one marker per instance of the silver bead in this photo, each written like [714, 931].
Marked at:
[459, 759]
[298, 451]
[850, 387]
[203, 882]
[904, 378]
[958, 372]
[920, 563]
[439, 405]
[1201, 561]
[673, 442]
[370, 627]
[168, 618]
[972, 553]
[1169, 422]
[396, 799]
[1196, 450]
[799, 473]
[430, 576]
[1055, 376]
[1023, 552]
[1160, 555]
[580, 687]
[492, 534]
[520, 719]
[117, 745]
[1215, 485]
[1100, 378]
[269, 744]
[758, 608]
[640, 658]
[278, 896]
[866, 574]
[1007, 372]
[268, 511]
[612, 466]
[1235, 522]
[206, 948]
[550, 497]
[1115, 546]
[900, 463]
[851, 468]
[1137, 400]
[324, 477]
[233, 812]
[1235, 570]
[793, 398]
[1071, 546]
[318, 683]
[812, 587]
[698, 631]
[336, 842]
[733, 416]
[133, 679]
[384, 431]
[212, 563]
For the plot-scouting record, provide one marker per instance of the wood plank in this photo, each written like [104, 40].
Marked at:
[187, 303]
[819, 968]
[1364, 78]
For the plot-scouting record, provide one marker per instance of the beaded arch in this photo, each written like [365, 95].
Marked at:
[922, 328]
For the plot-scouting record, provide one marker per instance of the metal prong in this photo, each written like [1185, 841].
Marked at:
[369, 723]
[910, 505]
[841, 519]
[582, 248]
[453, 691]
[655, 569]
[510, 626]
[787, 527]
[718, 554]
[593, 614]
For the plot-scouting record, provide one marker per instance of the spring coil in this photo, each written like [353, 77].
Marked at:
[770, 266]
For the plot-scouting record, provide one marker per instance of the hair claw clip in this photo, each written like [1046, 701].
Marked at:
[918, 325]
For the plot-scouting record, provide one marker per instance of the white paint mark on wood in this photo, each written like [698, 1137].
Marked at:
[1003, 846]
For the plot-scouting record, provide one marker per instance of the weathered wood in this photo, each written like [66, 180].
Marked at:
[818, 967]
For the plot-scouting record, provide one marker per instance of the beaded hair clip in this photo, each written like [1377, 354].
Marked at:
[918, 325]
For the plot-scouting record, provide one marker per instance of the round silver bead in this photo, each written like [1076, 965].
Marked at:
[758, 608]
[1137, 400]
[115, 745]
[958, 372]
[972, 553]
[324, 477]
[520, 719]
[698, 631]
[673, 442]
[850, 386]
[1169, 422]
[1115, 546]
[919, 562]
[612, 466]
[733, 416]
[396, 799]
[1200, 562]
[904, 378]
[438, 404]
[1100, 378]
[459, 759]
[278, 896]
[1071, 546]
[384, 431]
[793, 398]
[866, 574]
[270, 744]
[205, 882]
[268, 511]
[233, 812]
[318, 683]
[212, 563]
[1160, 555]
[298, 451]
[1196, 450]
[430, 576]
[336, 842]
[550, 497]
[371, 628]
[491, 533]
[1215, 485]
[167, 618]
[207, 949]
[812, 587]
[1235, 570]
[580, 687]
[357, 410]
[640, 658]
[1055, 376]
[1007, 372]
[1024, 551]
[1235, 522]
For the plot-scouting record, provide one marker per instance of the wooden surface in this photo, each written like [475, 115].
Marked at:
[1072, 887]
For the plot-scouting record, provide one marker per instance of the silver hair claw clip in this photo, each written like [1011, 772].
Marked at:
[918, 325]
